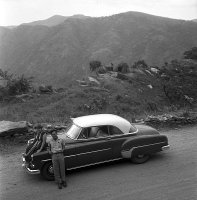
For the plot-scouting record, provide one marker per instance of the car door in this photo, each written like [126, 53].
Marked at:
[91, 150]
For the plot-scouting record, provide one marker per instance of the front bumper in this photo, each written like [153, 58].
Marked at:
[25, 165]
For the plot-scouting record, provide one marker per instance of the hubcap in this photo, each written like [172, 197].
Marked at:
[50, 169]
[141, 156]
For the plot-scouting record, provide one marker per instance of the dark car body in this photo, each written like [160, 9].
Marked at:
[120, 140]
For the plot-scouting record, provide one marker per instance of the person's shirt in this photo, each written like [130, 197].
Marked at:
[56, 145]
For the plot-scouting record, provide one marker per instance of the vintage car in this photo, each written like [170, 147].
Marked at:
[100, 138]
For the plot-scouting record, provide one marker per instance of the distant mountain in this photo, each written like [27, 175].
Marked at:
[61, 53]
[54, 20]
[194, 20]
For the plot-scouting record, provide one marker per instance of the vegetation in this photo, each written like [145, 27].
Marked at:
[142, 92]
[14, 86]
[94, 65]
[140, 64]
[122, 67]
[191, 54]
[179, 81]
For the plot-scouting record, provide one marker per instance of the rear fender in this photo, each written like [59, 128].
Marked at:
[146, 144]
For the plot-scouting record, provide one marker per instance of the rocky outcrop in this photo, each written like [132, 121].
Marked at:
[8, 128]
[167, 120]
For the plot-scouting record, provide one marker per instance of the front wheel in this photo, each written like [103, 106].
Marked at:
[47, 171]
[139, 159]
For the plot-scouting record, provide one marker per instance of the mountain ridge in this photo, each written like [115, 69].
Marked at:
[54, 20]
[61, 53]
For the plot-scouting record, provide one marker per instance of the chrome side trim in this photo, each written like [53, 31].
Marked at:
[79, 154]
[94, 164]
[148, 145]
[46, 160]
[87, 152]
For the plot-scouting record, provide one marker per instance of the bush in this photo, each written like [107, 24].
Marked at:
[191, 54]
[19, 85]
[140, 64]
[122, 67]
[179, 82]
[95, 64]
[14, 86]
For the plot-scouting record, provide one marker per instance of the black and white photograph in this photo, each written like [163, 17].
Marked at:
[98, 99]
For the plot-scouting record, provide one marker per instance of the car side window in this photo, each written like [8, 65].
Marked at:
[115, 131]
[84, 133]
[102, 131]
[94, 132]
[98, 131]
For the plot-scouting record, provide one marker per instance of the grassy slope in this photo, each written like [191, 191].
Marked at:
[121, 98]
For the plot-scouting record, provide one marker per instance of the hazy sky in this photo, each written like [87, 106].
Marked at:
[15, 12]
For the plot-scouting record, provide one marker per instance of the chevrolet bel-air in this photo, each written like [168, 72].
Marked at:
[100, 138]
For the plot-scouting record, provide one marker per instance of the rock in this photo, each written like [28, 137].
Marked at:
[82, 83]
[93, 80]
[150, 86]
[45, 89]
[8, 128]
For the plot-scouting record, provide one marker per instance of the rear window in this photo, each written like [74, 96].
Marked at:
[115, 131]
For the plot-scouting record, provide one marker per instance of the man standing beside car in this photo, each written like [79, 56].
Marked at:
[56, 148]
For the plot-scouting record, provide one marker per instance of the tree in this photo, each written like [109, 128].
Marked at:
[179, 81]
[94, 65]
[140, 64]
[122, 67]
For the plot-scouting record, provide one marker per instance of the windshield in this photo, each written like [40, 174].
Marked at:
[73, 131]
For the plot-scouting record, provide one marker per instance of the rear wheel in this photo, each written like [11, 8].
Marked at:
[139, 159]
[47, 171]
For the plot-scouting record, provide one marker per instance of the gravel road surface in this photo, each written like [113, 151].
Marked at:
[168, 175]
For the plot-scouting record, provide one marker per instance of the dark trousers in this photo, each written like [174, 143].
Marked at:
[59, 167]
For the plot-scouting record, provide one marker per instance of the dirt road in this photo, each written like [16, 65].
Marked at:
[168, 175]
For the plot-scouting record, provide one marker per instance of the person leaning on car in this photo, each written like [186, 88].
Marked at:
[56, 148]
[39, 141]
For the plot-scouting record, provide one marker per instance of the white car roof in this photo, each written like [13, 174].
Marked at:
[103, 119]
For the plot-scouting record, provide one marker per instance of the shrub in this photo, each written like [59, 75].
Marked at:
[14, 85]
[122, 67]
[19, 85]
[191, 54]
[95, 64]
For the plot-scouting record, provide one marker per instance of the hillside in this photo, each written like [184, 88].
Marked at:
[59, 54]
[142, 91]
[113, 95]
